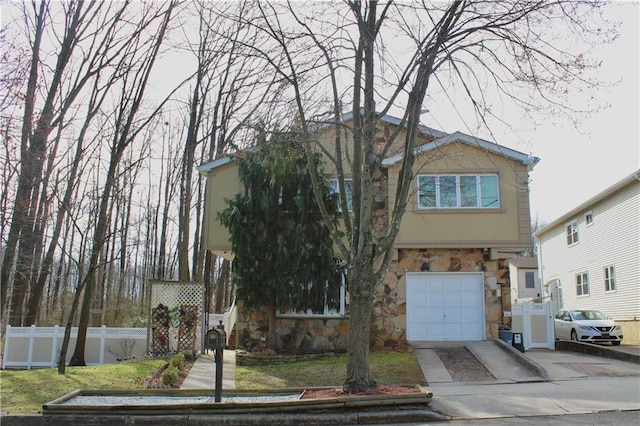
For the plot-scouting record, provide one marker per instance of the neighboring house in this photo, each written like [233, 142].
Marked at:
[590, 257]
[449, 279]
[525, 283]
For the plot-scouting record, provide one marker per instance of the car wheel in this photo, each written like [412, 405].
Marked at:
[574, 335]
[616, 343]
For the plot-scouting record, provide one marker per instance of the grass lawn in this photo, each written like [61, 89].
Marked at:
[24, 391]
[387, 368]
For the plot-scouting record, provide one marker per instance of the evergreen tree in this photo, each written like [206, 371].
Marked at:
[283, 251]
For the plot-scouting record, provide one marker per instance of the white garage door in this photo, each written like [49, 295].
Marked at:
[445, 306]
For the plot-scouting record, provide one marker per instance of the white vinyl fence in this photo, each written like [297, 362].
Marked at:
[535, 322]
[27, 347]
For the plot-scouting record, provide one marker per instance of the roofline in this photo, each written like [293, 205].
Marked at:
[207, 167]
[442, 139]
[635, 176]
[386, 118]
[527, 160]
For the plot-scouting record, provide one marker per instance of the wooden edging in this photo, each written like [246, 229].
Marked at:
[58, 406]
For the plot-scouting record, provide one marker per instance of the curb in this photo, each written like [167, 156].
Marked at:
[597, 350]
[524, 360]
[286, 419]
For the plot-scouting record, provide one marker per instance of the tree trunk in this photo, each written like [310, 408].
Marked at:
[271, 313]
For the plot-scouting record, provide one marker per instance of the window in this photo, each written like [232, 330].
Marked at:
[609, 279]
[588, 218]
[582, 284]
[458, 192]
[572, 233]
[339, 309]
[348, 189]
[529, 280]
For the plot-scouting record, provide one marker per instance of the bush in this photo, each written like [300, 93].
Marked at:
[137, 322]
[177, 361]
[170, 376]
[189, 355]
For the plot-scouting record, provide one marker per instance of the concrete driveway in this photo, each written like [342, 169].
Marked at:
[538, 382]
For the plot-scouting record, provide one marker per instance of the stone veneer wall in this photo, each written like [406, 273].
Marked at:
[388, 328]
[389, 325]
[295, 334]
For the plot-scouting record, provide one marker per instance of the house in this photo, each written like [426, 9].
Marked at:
[525, 283]
[449, 279]
[590, 257]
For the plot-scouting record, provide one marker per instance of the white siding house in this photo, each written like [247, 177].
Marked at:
[590, 256]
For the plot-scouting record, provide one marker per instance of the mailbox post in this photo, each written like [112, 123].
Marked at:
[216, 339]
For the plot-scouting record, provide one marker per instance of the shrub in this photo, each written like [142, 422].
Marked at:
[189, 355]
[170, 376]
[177, 361]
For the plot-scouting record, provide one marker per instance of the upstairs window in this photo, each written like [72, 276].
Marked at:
[458, 192]
[609, 279]
[348, 189]
[588, 218]
[582, 284]
[572, 233]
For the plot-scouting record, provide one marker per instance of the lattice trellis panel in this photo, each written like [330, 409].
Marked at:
[175, 295]
[187, 330]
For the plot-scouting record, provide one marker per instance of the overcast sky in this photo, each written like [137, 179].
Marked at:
[574, 166]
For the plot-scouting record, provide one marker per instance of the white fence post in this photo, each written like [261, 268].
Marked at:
[7, 334]
[103, 335]
[31, 337]
[54, 344]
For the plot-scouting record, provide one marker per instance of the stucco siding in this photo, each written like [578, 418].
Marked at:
[506, 226]
[222, 184]
[613, 239]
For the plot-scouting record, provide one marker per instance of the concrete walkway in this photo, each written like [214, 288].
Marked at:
[203, 372]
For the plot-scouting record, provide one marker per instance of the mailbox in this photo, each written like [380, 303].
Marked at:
[214, 339]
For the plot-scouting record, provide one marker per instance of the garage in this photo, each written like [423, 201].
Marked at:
[445, 306]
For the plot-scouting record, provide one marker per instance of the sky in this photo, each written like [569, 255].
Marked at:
[577, 165]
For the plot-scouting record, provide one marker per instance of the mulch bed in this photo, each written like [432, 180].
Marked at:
[378, 390]
[155, 382]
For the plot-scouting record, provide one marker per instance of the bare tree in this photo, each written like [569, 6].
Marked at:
[229, 87]
[502, 47]
[127, 125]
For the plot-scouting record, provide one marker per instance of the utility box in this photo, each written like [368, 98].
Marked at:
[506, 336]
[518, 341]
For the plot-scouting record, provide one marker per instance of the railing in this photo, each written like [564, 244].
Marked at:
[40, 346]
[228, 318]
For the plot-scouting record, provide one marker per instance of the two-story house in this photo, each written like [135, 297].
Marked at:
[449, 280]
[589, 258]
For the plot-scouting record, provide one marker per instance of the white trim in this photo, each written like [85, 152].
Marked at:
[527, 160]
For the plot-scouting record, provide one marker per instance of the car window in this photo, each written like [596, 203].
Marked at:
[578, 315]
[594, 315]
